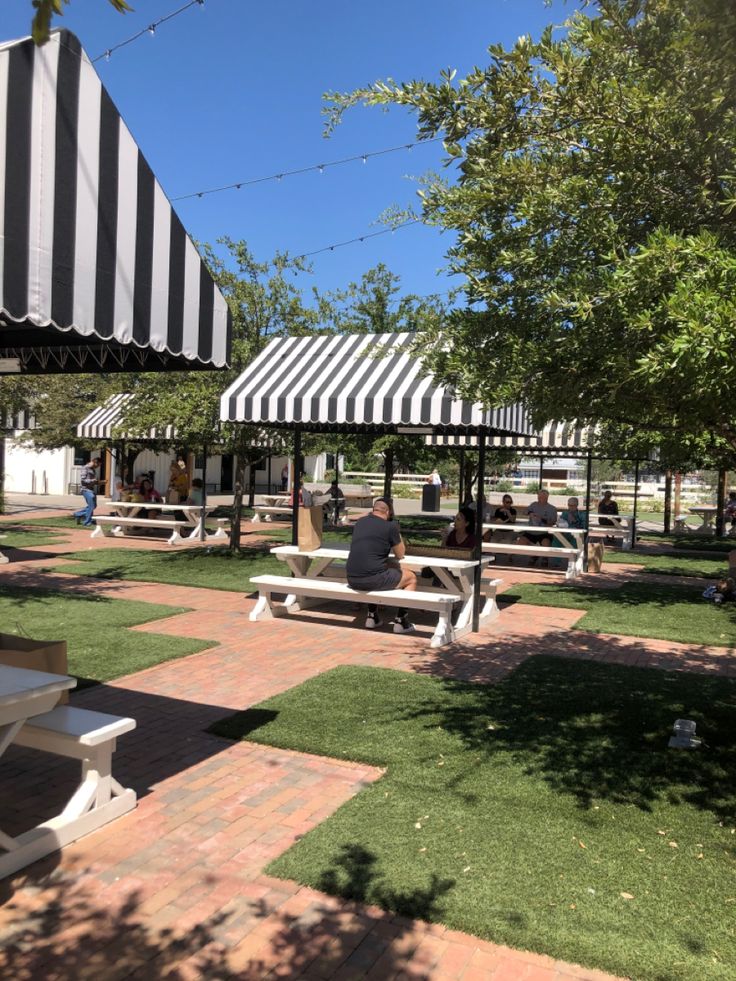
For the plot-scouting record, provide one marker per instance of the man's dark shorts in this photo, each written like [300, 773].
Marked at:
[387, 579]
[536, 536]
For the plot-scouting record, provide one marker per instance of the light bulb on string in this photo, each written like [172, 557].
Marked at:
[365, 158]
[321, 168]
[107, 54]
[151, 29]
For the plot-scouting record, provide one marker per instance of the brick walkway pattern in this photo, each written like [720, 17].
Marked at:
[175, 889]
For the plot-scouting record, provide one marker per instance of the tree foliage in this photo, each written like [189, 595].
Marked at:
[594, 209]
[46, 10]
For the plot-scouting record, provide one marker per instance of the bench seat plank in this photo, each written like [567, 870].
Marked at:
[573, 555]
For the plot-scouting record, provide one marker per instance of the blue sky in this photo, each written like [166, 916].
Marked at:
[232, 91]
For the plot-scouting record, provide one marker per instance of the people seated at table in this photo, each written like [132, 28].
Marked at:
[178, 488]
[149, 494]
[572, 517]
[196, 493]
[505, 513]
[729, 513]
[462, 534]
[369, 567]
[118, 490]
[607, 505]
[540, 514]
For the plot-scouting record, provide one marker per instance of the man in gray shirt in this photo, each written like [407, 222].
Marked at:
[88, 481]
[541, 512]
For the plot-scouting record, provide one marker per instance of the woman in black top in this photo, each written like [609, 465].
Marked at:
[505, 514]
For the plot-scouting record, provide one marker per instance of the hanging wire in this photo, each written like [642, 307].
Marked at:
[149, 29]
[360, 238]
[319, 168]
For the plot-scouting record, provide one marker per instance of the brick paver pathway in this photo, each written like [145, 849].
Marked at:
[175, 889]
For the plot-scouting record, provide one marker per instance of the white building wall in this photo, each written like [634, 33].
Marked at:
[29, 470]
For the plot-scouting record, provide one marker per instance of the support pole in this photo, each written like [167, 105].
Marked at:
[268, 476]
[202, 530]
[461, 481]
[636, 503]
[295, 486]
[588, 502]
[541, 472]
[388, 474]
[479, 508]
[721, 502]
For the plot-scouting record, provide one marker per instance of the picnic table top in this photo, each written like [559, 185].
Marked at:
[341, 552]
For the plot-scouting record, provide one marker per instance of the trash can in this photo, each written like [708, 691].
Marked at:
[431, 497]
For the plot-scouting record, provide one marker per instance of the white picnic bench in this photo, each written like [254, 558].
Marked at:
[265, 512]
[28, 718]
[575, 554]
[128, 516]
[621, 527]
[319, 576]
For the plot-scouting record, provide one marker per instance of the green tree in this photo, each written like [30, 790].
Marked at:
[46, 10]
[264, 302]
[593, 203]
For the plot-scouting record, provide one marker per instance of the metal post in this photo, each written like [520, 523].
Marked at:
[295, 487]
[479, 508]
[588, 481]
[268, 475]
[388, 475]
[461, 481]
[721, 502]
[202, 530]
[541, 472]
[636, 502]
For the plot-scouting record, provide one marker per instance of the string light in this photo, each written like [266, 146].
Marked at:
[151, 29]
[319, 168]
[361, 238]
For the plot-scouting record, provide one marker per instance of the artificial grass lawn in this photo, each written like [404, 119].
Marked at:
[639, 609]
[213, 568]
[99, 645]
[14, 536]
[545, 812]
[672, 565]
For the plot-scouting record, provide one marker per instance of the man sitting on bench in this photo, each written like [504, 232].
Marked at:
[541, 512]
[369, 567]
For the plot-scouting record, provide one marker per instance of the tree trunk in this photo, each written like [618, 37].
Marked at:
[237, 514]
[668, 502]
[721, 502]
[678, 494]
[251, 483]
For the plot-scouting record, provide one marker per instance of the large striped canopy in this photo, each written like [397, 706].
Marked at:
[354, 382]
[561, 438]
[96, 270]
[105, 422]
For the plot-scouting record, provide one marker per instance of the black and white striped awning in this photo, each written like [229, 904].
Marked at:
[96, 270]
[356, 382]
[18, 422]
[555, 437]
[106, 422]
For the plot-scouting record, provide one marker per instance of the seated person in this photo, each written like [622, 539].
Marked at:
[148, 493]
[506, 512]
[541, 513]
[463, 531]
[607, 505]
[573, 518]
[196, 492]
[305, 497]
[729, 513]
[336, 503]
[369, 567]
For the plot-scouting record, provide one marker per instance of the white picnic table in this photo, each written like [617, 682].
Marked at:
[275, 500]
[30, 717]
[706, 514]
[559, 533]
[456, 577]
[193, 514]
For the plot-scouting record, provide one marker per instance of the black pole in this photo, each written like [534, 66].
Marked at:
[461, 481]
[721, 502]
[268, 475]
[202, 531]
[2, 474]
[296, 482]
[636, 503]
[541, 472]
[388, 474]
[588, 481]
[667, 502]
[479, 508]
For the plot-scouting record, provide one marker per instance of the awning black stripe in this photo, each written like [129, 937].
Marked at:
[65, 181]
[143, 253]
[177, 261]
[107, 218]
[18, 180]
[206, 312]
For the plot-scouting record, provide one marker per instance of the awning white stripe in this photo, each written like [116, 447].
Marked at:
[371, 380]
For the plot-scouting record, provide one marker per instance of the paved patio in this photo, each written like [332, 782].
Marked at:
[175, 889]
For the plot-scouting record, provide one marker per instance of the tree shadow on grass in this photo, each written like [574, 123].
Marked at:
[600, 731]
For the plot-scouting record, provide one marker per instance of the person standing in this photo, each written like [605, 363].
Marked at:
[89, 482]
[369, 567]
